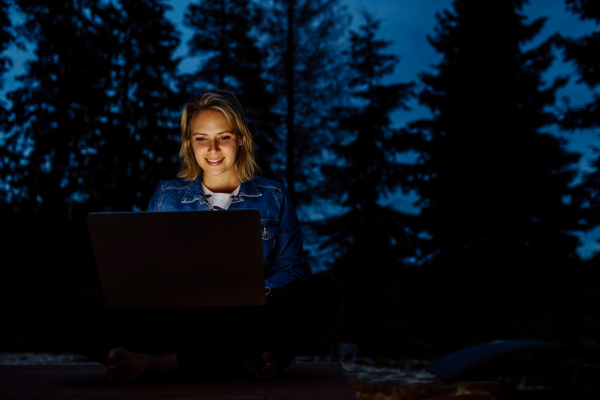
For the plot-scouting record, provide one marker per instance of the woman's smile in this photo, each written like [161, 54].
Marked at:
[214, 162]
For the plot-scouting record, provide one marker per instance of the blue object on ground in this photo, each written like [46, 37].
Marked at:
[467, 361]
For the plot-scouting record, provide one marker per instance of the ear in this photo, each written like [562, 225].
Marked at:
[240, 142]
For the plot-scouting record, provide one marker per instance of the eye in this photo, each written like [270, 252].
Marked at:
[225, 137]
[199, 139]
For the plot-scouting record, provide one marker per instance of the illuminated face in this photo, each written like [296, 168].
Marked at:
[215, 146]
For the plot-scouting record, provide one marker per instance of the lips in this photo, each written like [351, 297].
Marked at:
[214, 162]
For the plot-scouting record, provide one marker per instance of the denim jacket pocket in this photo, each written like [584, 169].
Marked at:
[269, 229]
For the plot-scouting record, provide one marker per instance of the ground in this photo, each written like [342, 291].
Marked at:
[385, 379]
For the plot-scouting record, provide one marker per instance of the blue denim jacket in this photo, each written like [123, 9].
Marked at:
[282, 237]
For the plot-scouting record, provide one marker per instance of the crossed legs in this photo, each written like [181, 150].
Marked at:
[261, 340]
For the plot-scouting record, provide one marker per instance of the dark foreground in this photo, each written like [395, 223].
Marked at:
[300, 381]
[36, 376]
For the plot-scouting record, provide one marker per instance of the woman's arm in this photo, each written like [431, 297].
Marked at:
[155, 200]
[288, 254]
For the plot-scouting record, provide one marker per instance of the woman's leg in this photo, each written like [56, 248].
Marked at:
[128, 342]
[205, 342]
[265, 339]
[87, 326]
[303, 310]
[82, 324]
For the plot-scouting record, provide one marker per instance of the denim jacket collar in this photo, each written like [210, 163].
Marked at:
[194, 191]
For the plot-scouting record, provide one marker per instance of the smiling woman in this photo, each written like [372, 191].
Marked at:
[213, 123]
[218, 173]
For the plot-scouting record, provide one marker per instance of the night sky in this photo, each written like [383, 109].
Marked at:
[407, 23]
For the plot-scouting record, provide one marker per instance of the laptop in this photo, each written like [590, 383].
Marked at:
[179, 259]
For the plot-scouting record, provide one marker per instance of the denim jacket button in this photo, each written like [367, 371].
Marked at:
[265, 232]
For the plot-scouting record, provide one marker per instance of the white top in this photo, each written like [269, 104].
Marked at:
[219, 201]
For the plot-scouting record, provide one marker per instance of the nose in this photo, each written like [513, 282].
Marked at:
[213, 145]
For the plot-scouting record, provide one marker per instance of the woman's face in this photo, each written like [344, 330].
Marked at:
[215, 146]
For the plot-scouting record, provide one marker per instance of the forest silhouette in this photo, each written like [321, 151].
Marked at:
[94, 126]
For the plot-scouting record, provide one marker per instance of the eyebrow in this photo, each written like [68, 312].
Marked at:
[205, 134]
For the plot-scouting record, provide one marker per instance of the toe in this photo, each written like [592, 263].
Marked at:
[114, 355]
[269, 364]
[268, 356]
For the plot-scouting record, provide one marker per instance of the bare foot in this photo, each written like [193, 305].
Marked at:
[263, 368]
[123, 365]
[269, 364]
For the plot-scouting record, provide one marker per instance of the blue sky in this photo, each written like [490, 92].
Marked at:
[407, 23]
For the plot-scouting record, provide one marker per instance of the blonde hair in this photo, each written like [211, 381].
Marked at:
[225, 102]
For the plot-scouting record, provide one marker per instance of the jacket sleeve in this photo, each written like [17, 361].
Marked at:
[154, 203]
[287, 257]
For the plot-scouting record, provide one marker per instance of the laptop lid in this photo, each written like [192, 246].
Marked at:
[179, 259]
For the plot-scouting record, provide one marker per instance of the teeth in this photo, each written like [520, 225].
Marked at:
[217, 160]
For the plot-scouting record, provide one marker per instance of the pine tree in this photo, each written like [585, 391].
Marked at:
[49, 137]
[8, 273]
[225, 32]
[140, 140]
[584, 53]
[493, 184]
[46, 112]
[6, 38]
[371, 241]
[97, 106]
[92, 128]
[303, 38]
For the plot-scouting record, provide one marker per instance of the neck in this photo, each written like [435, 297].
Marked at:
[219, 184]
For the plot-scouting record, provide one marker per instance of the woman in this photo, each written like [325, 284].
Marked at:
[219, 173]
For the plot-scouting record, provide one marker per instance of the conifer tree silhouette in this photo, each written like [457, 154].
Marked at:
[303, 38]
[584, 53]
[47, 135]
[371, 241]
[493, 183]
[140, 142]
[93, 127]
[6, 38]
[8, 244]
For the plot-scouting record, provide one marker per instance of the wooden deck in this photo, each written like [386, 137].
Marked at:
[299, 381]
